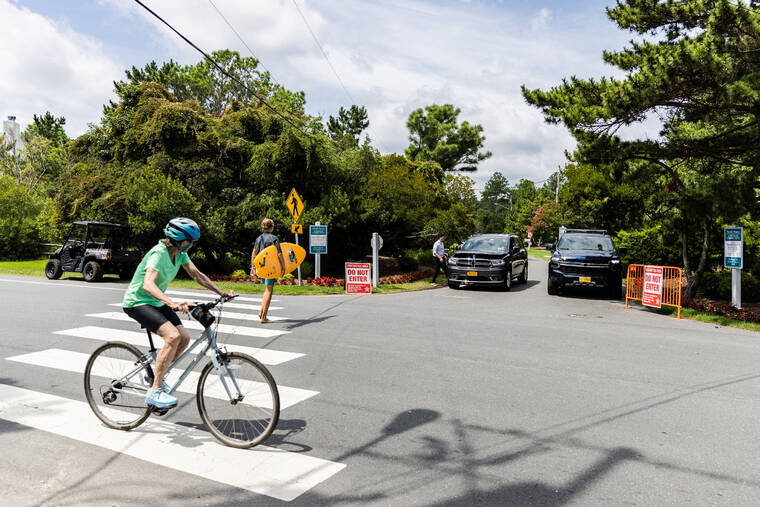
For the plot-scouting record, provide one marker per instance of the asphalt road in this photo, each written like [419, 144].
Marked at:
[437, 397]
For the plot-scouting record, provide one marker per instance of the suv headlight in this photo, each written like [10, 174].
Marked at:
[615, 262]
[498, 262]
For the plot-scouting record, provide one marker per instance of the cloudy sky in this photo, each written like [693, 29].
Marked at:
[392, 56]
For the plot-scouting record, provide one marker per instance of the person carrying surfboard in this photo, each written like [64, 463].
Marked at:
[263, 241]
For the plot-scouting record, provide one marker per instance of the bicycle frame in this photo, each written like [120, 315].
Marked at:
[210, 344]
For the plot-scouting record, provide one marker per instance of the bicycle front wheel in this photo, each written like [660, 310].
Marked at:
[115, 386]
[240, 406]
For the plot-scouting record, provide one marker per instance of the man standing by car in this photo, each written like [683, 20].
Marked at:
[439, 258]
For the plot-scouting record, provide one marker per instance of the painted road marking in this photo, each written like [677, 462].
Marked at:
[263, 470]
[210, 295]
[192, 324]
[269, 357]
[76, 362]
[240, 316]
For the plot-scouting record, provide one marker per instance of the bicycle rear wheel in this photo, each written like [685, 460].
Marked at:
[117, 400]
[251, 416]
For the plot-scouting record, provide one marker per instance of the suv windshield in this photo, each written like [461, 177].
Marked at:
[578, 242]
[486, 244]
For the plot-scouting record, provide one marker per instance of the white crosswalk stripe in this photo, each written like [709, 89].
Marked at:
[266, 356]
[240, 316]
[76, 362]
[192, 324]
[211, 295]
[263, 470]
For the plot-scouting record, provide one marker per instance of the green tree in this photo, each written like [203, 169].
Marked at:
[494, 204]
[695, 67]
[348, 126]
[19, 208]
[212, 89]
[434, 134]
[48, 127]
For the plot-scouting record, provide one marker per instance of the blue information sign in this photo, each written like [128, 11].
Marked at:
[733, 247]
[317, 239]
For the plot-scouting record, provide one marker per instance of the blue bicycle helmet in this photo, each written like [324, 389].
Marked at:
[182, 229]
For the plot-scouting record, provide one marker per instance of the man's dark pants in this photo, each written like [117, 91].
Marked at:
[440, 265]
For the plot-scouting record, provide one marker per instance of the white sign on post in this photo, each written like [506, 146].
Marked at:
[733, 247]
[318, 239]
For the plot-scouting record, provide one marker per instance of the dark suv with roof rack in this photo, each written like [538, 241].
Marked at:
[489, 259]
[585, 258]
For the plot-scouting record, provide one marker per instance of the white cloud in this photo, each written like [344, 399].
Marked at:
[540, 20]
[47, 66]
[392, 55]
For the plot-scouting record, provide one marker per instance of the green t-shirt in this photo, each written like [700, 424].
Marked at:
[157, 258]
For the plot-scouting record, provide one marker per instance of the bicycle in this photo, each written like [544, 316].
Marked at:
[240, 404]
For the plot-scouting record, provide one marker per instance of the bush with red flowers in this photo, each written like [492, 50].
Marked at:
[725, 310]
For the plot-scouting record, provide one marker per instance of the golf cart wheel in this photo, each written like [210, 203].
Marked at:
[92, 271]
[53, 269]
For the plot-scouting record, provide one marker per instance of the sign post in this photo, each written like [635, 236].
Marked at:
[733, 257]
[652, 295]
[317, 245]
[295, 205]
[376, 243]
[357, 278]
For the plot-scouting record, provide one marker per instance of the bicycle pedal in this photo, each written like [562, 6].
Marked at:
[159, 411]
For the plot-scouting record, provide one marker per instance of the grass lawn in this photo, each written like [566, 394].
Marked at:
[540, 253]
[36, 269]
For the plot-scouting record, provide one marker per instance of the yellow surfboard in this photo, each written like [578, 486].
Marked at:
[267, 262]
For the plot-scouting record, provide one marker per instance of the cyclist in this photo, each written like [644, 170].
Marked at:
[146, 301]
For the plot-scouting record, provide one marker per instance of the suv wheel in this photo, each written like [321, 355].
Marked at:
[524, 275]
[92, 271]
[508, 280]
[551, 288]
[53, 269]
[616, 289]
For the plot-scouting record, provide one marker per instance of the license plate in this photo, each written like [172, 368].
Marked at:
[472, 273]
[584, 279]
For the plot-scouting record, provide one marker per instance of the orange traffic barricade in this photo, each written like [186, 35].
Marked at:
[655, 286]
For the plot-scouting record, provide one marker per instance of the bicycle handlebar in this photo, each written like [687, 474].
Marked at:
[211, 304]
[221, 299]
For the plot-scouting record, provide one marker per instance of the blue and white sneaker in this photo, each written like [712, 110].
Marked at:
[164, 386]
[159, 399]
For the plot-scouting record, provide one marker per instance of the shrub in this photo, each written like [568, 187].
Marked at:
[239, 274]
[647, 246]
[717, 285]
[725, 309]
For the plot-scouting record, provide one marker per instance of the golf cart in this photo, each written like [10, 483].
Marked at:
[93, 249]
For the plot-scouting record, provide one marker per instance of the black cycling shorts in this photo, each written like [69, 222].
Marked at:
[153, 317]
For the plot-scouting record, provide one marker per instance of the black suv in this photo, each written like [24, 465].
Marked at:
[585, 259]
[489, 259]
[94, 248]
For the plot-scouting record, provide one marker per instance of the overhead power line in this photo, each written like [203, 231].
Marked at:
[321, 49]
[314, 36]
[241, 39]
[221, 69]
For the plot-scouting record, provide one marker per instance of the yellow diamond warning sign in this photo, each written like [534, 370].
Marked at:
[294, 204]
